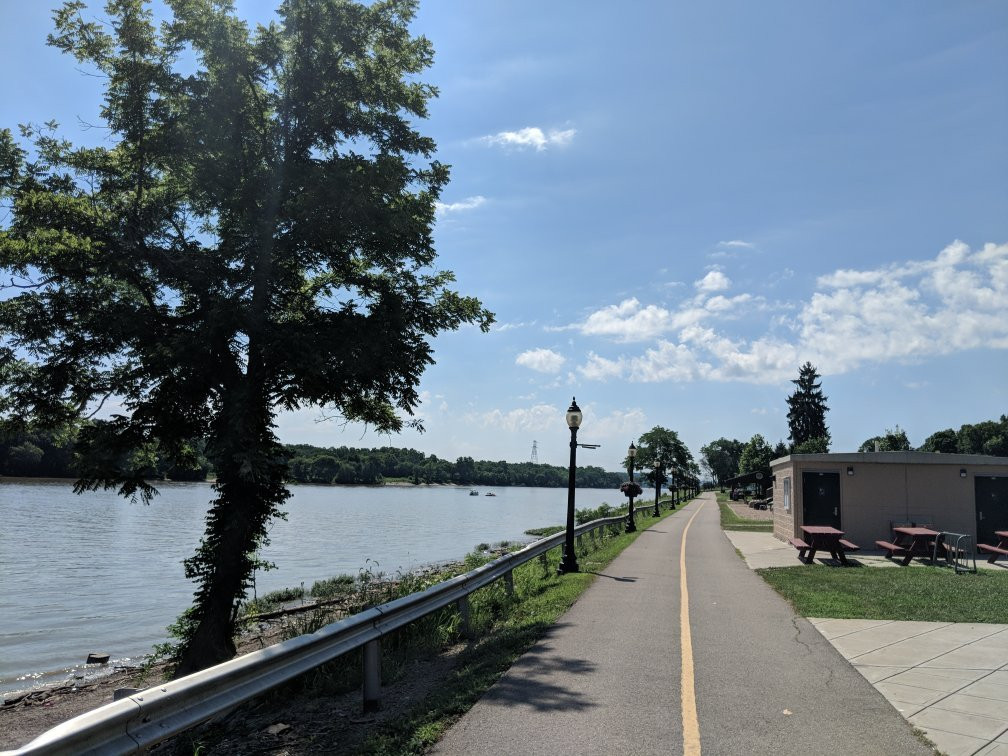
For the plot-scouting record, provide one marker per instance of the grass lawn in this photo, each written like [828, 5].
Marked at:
[931, 594]
[731, 521]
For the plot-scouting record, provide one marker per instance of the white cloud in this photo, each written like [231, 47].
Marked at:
[502, 327]
[541, 360]
[531, 136]
[469, 203]
[536, 418]
[715, 280]
[630, 321]
[736, 243]
[620, 424]
[902, 312]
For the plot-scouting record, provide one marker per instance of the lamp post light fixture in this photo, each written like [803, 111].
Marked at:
[631, 527]
[569, 561]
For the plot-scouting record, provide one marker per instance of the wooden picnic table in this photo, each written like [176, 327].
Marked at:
[823, 538]
[995, 551]
[909, 542]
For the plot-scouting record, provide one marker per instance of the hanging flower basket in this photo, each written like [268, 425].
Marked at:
[631, 489]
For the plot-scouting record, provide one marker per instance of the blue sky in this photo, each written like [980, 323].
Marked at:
[670, 206]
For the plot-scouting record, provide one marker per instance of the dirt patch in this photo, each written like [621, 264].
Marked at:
[749, 513]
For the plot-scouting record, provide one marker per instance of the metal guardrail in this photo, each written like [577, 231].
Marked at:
[155, 714]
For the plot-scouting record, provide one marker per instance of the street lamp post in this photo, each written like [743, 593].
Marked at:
[631, 527]
[658, 475]
[569, 561]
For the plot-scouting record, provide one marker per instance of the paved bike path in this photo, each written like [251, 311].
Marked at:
[606, 678]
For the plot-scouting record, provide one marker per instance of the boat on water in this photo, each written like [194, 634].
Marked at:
[489, 493]
[474, 492]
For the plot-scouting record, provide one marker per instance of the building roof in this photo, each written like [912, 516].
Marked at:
[895, 458]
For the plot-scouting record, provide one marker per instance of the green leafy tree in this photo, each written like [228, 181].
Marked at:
[756, 455]
[891, 440]
[943, 441]
[721, 458]
[817, 445]
[661, 452]
[807, 408]
[253, 235]
[988, 437]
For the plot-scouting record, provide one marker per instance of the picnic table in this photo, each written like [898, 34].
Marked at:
[995, 551]
[909, 542]
[822, 538]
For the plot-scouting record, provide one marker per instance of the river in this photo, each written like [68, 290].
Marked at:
[98, 573]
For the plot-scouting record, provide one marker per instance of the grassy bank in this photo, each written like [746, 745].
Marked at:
[930, 594]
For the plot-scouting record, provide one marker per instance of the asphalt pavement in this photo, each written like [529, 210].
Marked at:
[607, 678]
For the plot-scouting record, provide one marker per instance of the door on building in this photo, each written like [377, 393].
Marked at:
[991, 507]
[821, 499]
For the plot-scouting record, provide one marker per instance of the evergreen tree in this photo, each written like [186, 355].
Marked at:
[807, 410]
[253, 235]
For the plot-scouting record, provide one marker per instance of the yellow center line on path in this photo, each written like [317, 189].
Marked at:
[690, 725]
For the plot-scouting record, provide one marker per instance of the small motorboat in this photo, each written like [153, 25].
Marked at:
[474, 492]
[489, 493]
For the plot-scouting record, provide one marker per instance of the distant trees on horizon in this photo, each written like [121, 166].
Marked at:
[48, 455]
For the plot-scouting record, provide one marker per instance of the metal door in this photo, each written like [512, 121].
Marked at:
[821, 499]
[991, 507]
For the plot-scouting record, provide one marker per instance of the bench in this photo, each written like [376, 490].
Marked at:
[848, 546]
[995, 551]
[799, 544]
[891, 548]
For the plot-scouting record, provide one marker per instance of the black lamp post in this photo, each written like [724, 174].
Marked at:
[631, 527]
[569, 561]
[658, 475]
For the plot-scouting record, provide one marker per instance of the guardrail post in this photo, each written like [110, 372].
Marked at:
[509, 582]
[463, 607]
[544, 561]
[372, 675]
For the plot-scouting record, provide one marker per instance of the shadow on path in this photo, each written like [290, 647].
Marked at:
[613, 577]
[532, 683]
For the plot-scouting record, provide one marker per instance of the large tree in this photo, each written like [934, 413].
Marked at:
[943, 441]
[807, 410]
[721, 458]
[253, 235]
[756, 456]
[891, 440]
[662, 453]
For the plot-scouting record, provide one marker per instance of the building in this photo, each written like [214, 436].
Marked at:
[865, 494]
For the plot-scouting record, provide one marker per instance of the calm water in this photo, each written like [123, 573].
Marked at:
[96, 573]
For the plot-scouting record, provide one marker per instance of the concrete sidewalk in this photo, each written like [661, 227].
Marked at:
[948, 679]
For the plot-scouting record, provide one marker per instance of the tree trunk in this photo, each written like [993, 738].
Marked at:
[250, 466]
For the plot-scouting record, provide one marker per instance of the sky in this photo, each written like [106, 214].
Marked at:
[670, 206]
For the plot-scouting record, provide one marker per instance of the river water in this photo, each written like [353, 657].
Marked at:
[97, 573]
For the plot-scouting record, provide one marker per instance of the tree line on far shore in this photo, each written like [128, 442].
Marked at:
[49, 455]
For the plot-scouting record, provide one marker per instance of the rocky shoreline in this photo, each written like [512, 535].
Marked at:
[26, 714]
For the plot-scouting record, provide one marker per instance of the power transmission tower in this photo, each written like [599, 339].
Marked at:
[535, 454]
